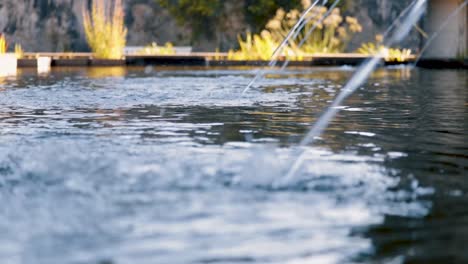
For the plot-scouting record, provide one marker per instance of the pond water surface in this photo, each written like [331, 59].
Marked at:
[172, 165]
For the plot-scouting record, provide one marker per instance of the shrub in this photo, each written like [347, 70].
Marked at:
[105, 30]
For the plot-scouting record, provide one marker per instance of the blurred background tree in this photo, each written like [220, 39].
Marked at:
[204, 16]
[199, 14]
[260, 11]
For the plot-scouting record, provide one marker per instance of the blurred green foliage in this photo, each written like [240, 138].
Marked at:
[260, 11]
[199, 14]
[203, 15]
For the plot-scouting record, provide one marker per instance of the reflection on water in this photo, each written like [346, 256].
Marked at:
[102, 72]
[172, 166]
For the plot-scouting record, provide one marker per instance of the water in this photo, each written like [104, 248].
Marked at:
[311, 30]
[361, 75]
[292, 34]
[171, 166]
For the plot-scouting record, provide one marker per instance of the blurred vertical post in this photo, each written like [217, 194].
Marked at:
[43, 65]
[452, 43]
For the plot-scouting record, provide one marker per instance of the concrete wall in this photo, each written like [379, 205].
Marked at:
[453, 40]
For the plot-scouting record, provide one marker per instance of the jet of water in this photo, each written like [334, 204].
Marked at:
[397, 20]
[385, 35]
[293, 33]
[359, 77]
[439, 30]
[413, 17]
[316, 24]
[311, 30]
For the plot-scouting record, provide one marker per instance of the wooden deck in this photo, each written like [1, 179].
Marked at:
[192, 59]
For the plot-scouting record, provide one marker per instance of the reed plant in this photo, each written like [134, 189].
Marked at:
[330, 34]
[254, 47]
[3, 44]
[155, 49]
[19, 52]
[260, 47]
[389, 54]
[105, 29]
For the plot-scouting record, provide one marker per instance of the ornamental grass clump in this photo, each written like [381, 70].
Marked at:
[155, 49]
[330, 34]
[254, 47]
[259, 47]
[389, 54]
[105, 29]
[3, 44]
[19, 52]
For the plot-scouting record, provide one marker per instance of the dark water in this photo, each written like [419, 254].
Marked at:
[114, 165]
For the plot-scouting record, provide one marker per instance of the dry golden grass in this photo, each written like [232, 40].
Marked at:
[105, 29]
[329, 34]
[3, 45]
[389, 54]
[155, 49]
[19, 52]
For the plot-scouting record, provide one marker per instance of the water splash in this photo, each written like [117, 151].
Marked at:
[122, 193]
[356, 80]
[293, 33]
[439, 30]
